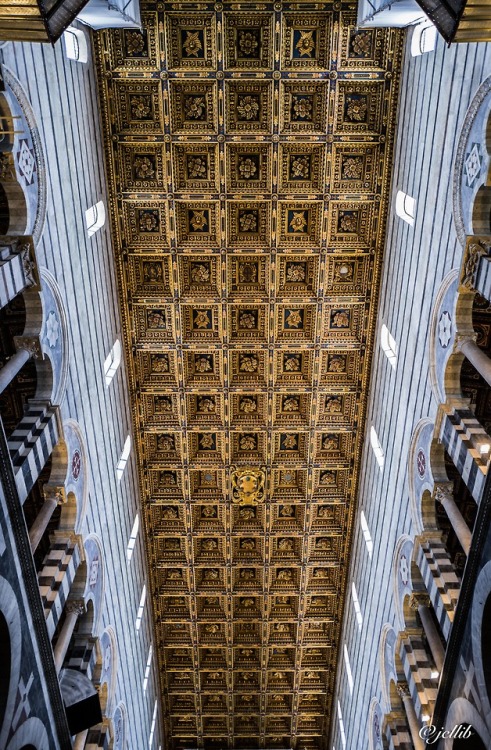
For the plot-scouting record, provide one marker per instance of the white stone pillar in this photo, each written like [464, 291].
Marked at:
[53, 496]
[420, 603]
[412, 719]
[467, 345]
[444, 495]
[80, 740]
[74, 608]
[12, 367]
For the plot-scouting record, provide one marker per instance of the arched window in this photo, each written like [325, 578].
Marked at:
[141, 607]
[377, 448]
[76, 45]
[405, 207]
[124, 458]
[341, 726]
[349, 673]
[132, 540]
[147, 668]
[95, 218]
[389, 346]
[356, 605]
[152, 727]
[112, 362]
[423, 39]
[366, 534]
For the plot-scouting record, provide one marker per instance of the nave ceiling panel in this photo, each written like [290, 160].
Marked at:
[248, 153]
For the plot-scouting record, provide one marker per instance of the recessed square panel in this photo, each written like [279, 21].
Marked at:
[201, 324]
[248, 323]
[195, 167]
[158, 368]
[248, 168]
[299, 224]
[248, 223]
[248, 41]
[153, 324]
[145, 223]
[150, 275]
[196, 223]
[160, 409]
[344, 322]
[305, 41]
[297, 275]
[293, 367]
[138, 107]
[340, 366]
[199, 275]
[204, 409]
[248, 409]
[247, 275]
[358, 107]
[337, 410]
[203, 368]
[193, 106]
[135, 49]
[360, 48]
[354, 169]
[350, 224]
[191, 41]
[248, 107]
[248, 367]
[292, 409]
[142, 168]
[304, 107]
[295, 323]
[301, 168]
[248, 447]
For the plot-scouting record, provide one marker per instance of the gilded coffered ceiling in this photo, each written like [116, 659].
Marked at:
[248, 154]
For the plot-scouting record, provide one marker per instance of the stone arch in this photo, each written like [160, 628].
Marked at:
[420, 477]
[475, 132]
[30, 139]
[31, 733]
[9, 610]
[481, 209]
[109, 656]
[481, 614]
[94, 588]
[54, 334]
[387, 659]
[375, 721]
[14, 208]
[119, 727]
[461, 711]
[443, 328]
[402, 580]
[76, 479]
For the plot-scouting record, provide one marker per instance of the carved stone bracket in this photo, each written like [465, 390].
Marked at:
[30, 343]
[75, 606]
[418, 599]
[475, 249]
[403, 690]
[55, 492]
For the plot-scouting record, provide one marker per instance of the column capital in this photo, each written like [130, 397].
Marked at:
[403, 690]
[75, 606]
[461, 338]
[443, 491]
[30, 343]
[418, 599]
[55, 492]
[475, 248]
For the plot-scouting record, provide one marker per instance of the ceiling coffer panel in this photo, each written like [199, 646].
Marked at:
[248, 154]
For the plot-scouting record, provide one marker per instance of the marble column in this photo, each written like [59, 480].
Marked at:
[467, 345]
[412, 719]
[52, 498]
[12, 367]
[80, 740]
[74, 608]
[421, 604]
[444, 494]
